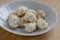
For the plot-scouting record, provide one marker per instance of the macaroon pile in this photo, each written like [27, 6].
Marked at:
[28, 19]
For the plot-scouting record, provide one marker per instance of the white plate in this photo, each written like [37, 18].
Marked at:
[6, 9]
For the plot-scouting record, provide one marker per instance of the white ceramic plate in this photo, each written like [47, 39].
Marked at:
[6, 9]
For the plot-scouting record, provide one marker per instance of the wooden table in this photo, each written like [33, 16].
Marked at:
[54, 34]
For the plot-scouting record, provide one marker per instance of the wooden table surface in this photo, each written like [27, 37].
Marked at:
[54, 34]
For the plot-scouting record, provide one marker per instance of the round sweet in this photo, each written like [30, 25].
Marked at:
[41, 14]
[33, 11]
[30, 27]
[21, 10]
[42, 24]
[29, 16]
[13, 22]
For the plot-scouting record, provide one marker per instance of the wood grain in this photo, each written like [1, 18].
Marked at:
[51, 35]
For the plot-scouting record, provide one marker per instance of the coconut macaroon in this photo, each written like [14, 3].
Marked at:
[41, 14]
[42, 24]
[33, 11]
[30, 27]
[13, 21]
[21, 10]
[29, 16]
[23, 21]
